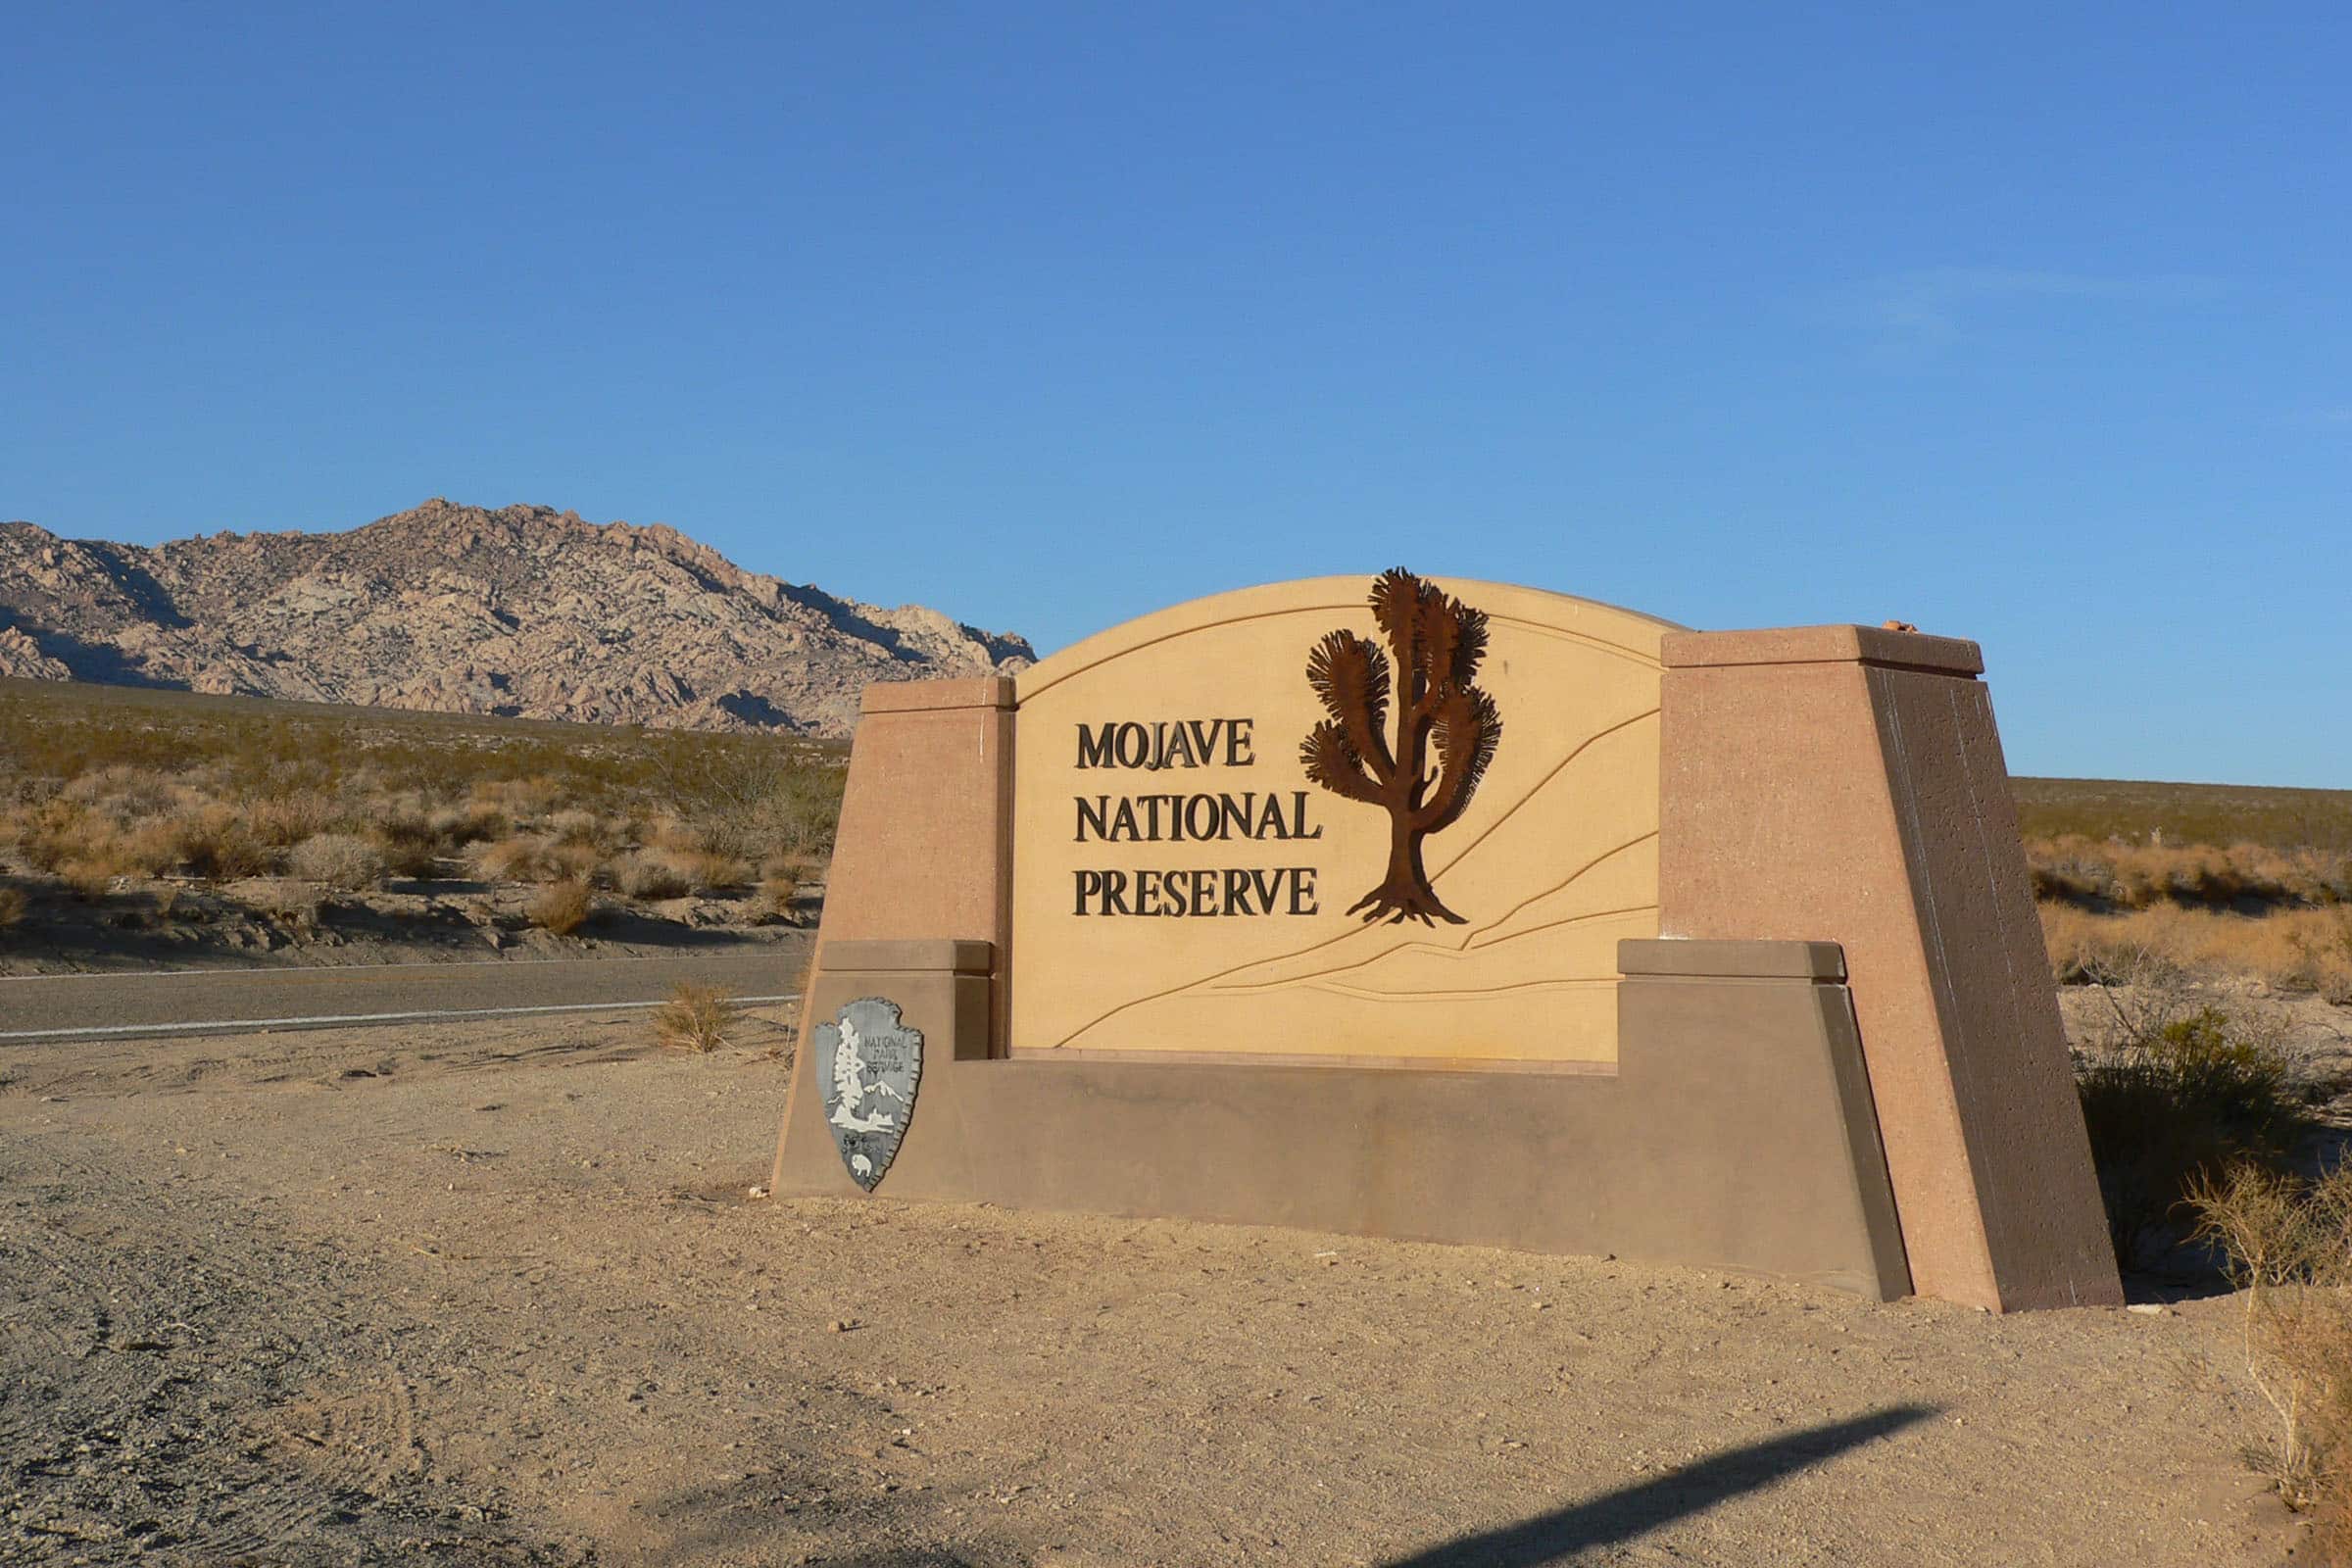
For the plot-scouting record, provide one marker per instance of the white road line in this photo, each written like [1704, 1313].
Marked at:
[325, 1019]
[283, 971]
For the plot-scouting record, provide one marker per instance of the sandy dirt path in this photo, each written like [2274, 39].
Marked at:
[497, 1293]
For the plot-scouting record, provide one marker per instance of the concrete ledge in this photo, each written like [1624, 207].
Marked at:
[1822, 645]
[936, 958]
[920, 696]
[1738, 1132]
[1675, 959]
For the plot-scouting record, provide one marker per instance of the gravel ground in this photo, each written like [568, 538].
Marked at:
[501, 1295]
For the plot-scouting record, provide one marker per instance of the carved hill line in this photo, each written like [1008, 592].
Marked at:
[1346, 603]
[1468, 949]
[1463, 993]
[1538, 788]
[1211, 982]
[1436, 949]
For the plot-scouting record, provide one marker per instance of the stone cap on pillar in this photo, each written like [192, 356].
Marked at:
[1682, 959]
[921, 696]
[1822, 645]
[894, 958]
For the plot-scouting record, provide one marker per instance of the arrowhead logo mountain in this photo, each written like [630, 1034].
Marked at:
[1443, 721]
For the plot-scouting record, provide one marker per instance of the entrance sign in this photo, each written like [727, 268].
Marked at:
[1249, 828]
[1417, 906]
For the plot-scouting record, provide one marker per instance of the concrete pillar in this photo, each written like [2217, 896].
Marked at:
[1846, 783]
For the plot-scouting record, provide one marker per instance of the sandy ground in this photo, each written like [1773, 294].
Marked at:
[499, 1295]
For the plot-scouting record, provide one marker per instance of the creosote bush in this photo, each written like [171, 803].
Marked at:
[523, 857]
[2172, 1096]
[647, 877]
[337, 860]
[696, 1017]
[562, 907]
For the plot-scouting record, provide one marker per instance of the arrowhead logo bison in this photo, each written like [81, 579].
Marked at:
[1446, 729]
[868, 1065]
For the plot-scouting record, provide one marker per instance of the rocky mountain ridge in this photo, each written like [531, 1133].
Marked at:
[522, 611]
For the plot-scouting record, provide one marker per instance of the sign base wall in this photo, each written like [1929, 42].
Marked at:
[1737, 1133]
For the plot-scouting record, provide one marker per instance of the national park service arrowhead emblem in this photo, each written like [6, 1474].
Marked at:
[868, 1065]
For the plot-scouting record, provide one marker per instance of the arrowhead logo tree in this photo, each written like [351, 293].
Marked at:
[1446, 729]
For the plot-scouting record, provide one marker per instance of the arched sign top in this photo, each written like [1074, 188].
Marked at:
[1383, 818]
[1610, 629]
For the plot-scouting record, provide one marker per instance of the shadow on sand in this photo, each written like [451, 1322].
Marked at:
[1636, 1510]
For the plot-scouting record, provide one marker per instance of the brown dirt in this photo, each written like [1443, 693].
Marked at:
[498, 1294]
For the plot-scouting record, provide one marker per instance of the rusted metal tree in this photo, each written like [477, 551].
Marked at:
[1446, 729]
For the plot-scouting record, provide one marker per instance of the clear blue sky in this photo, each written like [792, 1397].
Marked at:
[2021, 322]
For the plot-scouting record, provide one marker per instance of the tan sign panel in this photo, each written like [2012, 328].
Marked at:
[1338, 820]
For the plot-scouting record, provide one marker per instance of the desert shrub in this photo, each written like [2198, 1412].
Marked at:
[696, 1017]
[294, 902]
[575, 826]
[779, 893]
[88, 880]
[79, 844]
[712, 870]
[688, 852]
[406, 834]
[579, 861]
[2287, 1245]
[562, 907]
[523, 857]
[285, 820]
[755, 798]
[520, 799]
[121, 791]
[649, 876]
[12, 906]
[470, 823]
[2170, 1100]
[337, 860]
[212, 842]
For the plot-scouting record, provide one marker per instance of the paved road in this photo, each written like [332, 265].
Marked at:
[187, 1001]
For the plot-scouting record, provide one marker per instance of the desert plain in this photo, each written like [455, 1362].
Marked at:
[509, 1293]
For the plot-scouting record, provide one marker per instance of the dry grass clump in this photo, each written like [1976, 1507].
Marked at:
[2288, 1244]
[690, 856]
[336, 861]
[283, 821]
[12, 906]
[296, 903]
[696, 1017]
[779, 892]
[522, 857]
[562, 907]
[649, 876]
[2302, 950]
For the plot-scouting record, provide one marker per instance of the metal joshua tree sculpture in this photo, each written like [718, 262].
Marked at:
[1446, 729]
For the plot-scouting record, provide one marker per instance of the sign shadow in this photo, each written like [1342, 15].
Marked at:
[1636, 1510]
